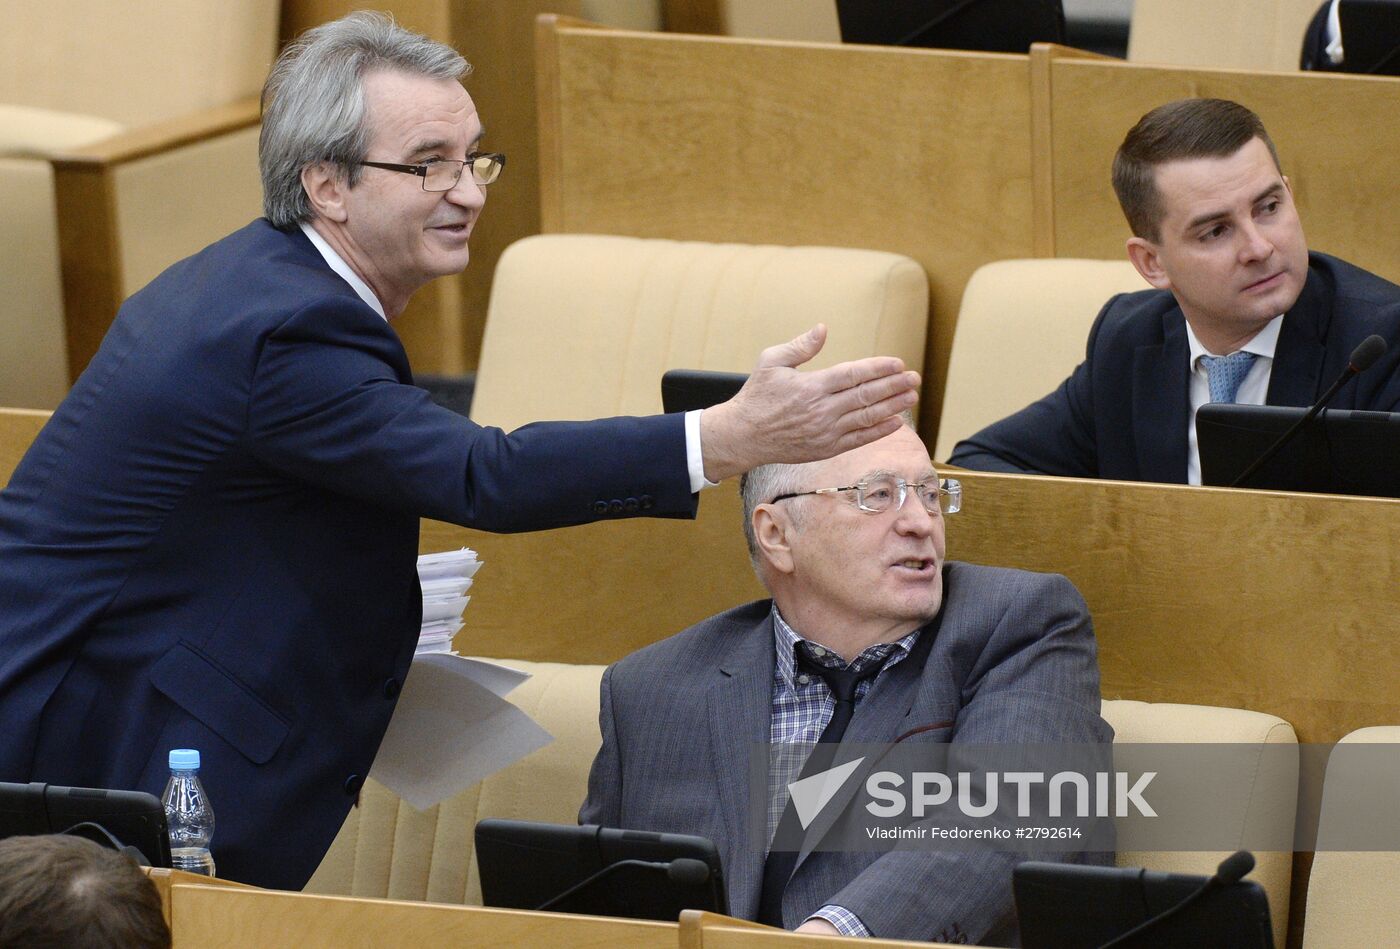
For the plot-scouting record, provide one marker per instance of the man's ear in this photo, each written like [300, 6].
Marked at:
[326, 187]
[772, 529]
[1145, 257]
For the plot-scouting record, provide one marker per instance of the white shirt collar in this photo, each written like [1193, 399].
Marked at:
[1263, 344]
[338, 264]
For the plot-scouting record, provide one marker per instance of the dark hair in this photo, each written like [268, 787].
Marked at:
[70, 893]
[1186, 128]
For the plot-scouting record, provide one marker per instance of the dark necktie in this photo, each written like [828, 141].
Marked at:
[778, 866]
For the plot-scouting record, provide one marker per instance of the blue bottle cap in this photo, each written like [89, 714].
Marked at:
[184, 759]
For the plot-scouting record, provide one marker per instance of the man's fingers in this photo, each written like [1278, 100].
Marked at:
[848, 375]
[875, 393]
[795, 352]
[864, 436]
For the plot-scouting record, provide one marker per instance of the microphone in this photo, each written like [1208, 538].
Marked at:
[1231, 870]
[683, 871]
[1362, 358]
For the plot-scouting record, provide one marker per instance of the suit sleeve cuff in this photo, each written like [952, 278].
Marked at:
[846, 922]
[693, 461]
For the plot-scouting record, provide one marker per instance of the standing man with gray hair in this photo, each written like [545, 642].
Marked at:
[212, 542]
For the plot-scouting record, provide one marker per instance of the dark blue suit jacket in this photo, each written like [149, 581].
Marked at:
[212, 543]
[1123, 413]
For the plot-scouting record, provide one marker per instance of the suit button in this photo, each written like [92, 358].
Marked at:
[648, 502]
[631, 505]
[615, 506]
[391, 688]
[600, 507]
[353, 784]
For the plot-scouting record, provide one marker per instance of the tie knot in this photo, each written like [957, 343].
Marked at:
[1225, 374]
[842, 682]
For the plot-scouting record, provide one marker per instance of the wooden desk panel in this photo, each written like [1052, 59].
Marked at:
[208, 918]
[1281, 603]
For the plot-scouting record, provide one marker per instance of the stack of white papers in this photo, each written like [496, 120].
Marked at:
[445, 577]
[452, 725]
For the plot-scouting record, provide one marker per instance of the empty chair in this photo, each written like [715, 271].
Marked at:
[1021, 330]
[583, 326]
[1260, 800]
[1352, 892]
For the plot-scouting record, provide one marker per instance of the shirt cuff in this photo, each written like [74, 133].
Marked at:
[693, 462]
[846, 922]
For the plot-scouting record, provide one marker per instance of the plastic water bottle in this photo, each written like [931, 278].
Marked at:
[188, 814]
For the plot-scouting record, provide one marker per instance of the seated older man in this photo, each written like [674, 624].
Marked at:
[869, 637]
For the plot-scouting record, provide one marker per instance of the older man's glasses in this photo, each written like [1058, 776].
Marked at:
[878, 495]
[442, 174]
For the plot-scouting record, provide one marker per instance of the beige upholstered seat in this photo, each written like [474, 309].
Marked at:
[387, 849]
[1270, 804]
[87, 78]
[1352, 896]
[1232, 34]
[583, 326]
[1021, 330]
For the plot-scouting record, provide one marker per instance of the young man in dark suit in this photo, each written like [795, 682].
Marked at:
[1242, 312]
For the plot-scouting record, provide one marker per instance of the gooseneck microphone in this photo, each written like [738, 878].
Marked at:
[683, 870]
[1231, 870]
[1362, 358]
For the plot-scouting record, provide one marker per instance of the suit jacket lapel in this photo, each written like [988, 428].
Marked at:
[1298, 358]
[740, 714]
[886, 712]
[1161, 403]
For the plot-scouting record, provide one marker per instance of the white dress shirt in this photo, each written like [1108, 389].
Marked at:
[1253, 389]
[695, 464]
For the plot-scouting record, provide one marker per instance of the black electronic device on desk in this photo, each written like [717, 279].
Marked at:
[1069, 906]
[1340, 451]
[684, 390]
[134, 818]
[1370, 36]
[599, 871]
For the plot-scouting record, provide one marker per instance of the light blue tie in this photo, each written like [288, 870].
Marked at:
[1226, 373]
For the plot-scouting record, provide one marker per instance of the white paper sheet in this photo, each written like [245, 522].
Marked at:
[451, 728]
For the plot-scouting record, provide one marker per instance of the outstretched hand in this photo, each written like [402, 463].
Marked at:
[782, 415]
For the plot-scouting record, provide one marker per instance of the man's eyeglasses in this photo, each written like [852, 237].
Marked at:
[878, 495]
[442, 174]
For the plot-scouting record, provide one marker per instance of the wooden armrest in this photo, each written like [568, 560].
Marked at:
[164, 136]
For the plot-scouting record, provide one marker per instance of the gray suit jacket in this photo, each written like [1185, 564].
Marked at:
[1014, 660]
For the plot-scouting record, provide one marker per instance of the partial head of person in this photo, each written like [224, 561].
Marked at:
[369, 137]
[852, 548]
[1212, 217]
[61, 892]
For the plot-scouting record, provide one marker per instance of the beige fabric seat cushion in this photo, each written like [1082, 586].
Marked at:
[388, 849]
[1352, 895]
[1021, 330]
[583, 326]
[1271, 802]
[33, 348]
[1220, 34]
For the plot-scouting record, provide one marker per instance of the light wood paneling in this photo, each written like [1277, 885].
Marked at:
[920, 152]
[210, 917]
[595, 593]
[1336, 135]
[1297, 614]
